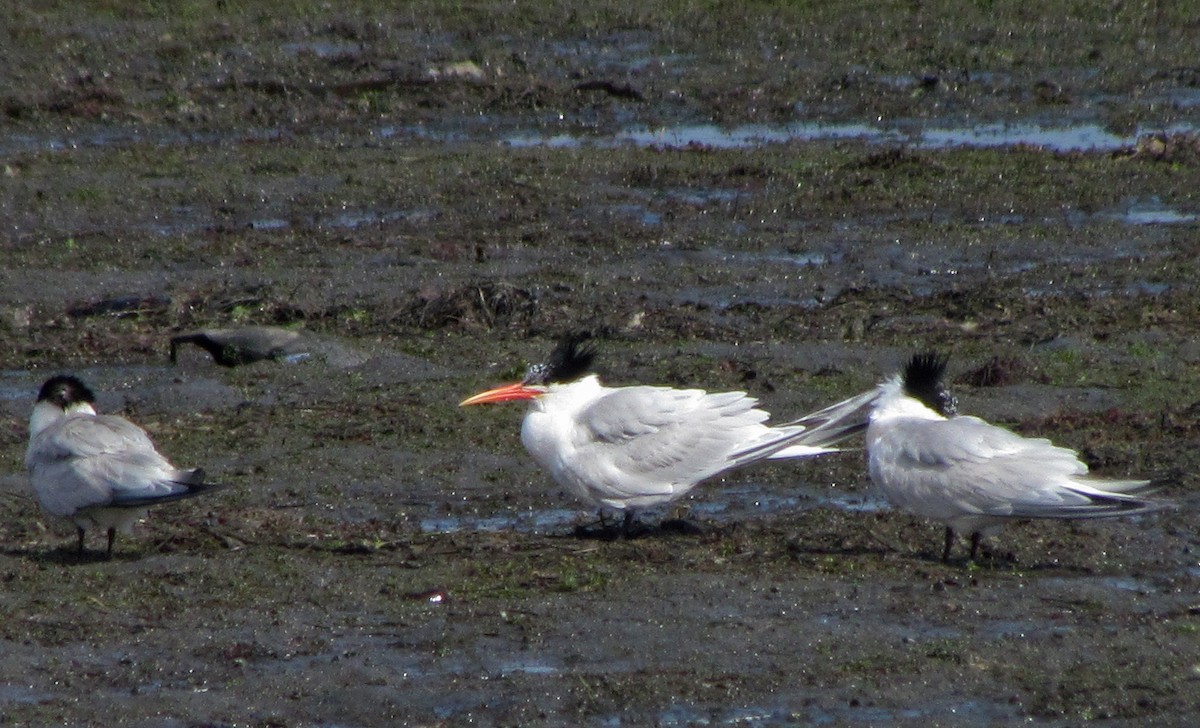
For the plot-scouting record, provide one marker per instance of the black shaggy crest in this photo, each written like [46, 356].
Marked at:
[64, 391]
[923, 380]
[571, 359]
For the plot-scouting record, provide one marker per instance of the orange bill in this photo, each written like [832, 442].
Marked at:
[505, 393]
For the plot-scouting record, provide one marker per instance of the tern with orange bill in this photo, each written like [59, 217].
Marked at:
[631, 447]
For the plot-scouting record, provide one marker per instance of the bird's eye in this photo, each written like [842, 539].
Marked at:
[949, 403]
[536, 374]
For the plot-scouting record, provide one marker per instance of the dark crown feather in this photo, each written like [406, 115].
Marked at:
[571, 359]
[922, 380]
[64, 391]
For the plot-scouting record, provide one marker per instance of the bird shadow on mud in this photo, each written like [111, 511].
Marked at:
[797, 548]
[636, 530]
[164, 542]
[997, 561]
[70, 555]
[885, 537]
[992, 561]
[865, 541]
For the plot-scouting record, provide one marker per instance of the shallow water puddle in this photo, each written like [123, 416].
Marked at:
[1089, 137]
[1111, 584]
[969, 712]
[966, 712]
[186, 222]
[116, 136]
[753, 259]
[1008, 629]
[1082, 136]
[17, 385]
[1148, 211]
[737, 503]
[722, 505]
[530, 521]
[22, 694]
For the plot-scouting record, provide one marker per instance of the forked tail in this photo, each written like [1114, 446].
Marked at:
[189, 485]
[819, 432]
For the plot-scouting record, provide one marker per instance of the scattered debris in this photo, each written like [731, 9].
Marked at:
[462, 70]
[612, 88]
[118, 306]
[1178, 147]
[474, 305]
[432, 596]
[996, 372]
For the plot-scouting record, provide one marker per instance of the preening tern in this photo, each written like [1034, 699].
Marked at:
[974, 476]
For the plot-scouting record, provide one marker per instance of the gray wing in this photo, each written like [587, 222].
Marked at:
[655, 440]
[967, 466]
[84, 461]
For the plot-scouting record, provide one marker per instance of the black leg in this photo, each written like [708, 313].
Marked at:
[112, 535]
[80, 530]
[949, 545]
[627, 523]
[975, 539]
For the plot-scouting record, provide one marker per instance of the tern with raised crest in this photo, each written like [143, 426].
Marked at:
[974, 476]
[630, 447]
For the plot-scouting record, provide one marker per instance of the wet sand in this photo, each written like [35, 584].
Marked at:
[783, 201]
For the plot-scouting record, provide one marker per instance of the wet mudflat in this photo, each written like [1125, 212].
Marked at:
[783, 200]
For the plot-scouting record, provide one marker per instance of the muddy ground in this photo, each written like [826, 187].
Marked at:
[785, 200]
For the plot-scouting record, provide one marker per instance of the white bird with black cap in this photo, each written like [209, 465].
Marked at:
[97, 471]
[974, 476]
[631, 447]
